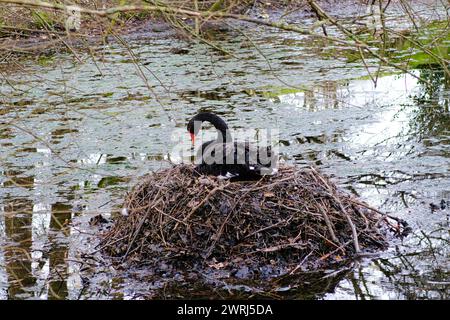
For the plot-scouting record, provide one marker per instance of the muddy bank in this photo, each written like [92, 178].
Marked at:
[28, 32]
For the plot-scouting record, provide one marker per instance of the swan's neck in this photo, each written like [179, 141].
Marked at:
[224, 135]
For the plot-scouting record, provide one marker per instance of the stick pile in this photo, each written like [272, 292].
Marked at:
[297, 216]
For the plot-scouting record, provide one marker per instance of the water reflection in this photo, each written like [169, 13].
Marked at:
[430, 121]
[18, 219]
[421, 272]
[61, 217]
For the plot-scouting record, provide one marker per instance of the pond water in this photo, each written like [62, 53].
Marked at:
[75, 136]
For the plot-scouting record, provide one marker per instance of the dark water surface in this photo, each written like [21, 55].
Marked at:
[74, 136]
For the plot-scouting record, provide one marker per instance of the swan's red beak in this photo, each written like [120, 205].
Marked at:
[192, 137]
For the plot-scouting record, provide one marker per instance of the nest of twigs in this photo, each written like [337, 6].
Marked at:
[298, 217]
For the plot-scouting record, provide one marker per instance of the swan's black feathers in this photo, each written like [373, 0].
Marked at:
[232, 160]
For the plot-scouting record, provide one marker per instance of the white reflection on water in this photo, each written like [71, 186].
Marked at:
[389, 90]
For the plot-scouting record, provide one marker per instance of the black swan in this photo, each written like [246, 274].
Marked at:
[227, 159]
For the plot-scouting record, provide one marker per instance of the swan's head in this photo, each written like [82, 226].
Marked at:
[195, 124]
[193, 128]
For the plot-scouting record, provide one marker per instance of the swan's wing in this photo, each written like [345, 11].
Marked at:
[245, 154]
[218, 153]
[207, 152]
[227, 176]
[264, 160]
[260, 160]
[267, 157]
